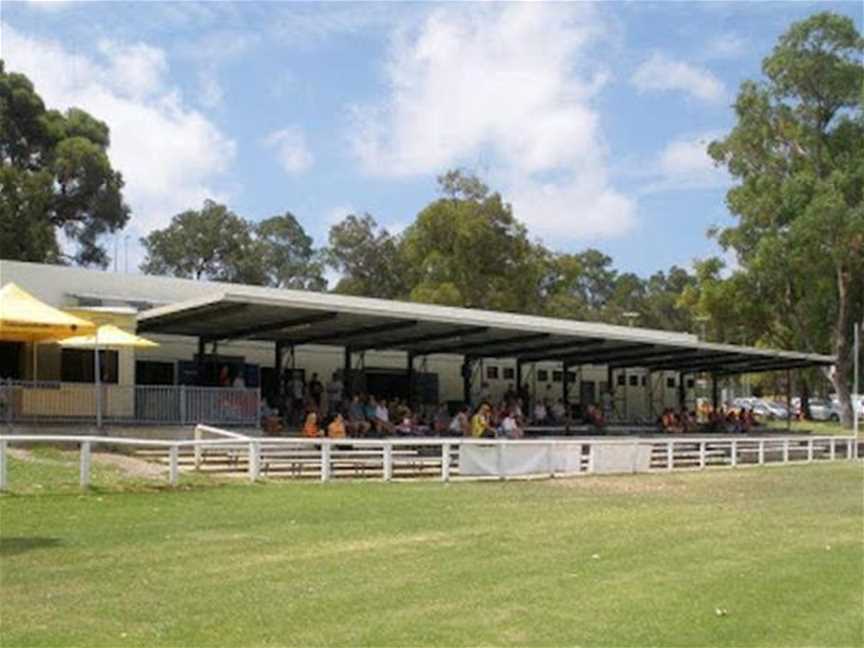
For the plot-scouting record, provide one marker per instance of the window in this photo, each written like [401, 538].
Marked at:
[509, 373]
[10, 359]
[690, 383]
[542, 375]
[557, 376]
[622, 380]
[148, 372]
[670, 382]
[491, 373]
[644, 381]
[76, 365]
[634, 381]
[571, 377]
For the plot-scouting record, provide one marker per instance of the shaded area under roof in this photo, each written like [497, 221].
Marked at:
[299, 318]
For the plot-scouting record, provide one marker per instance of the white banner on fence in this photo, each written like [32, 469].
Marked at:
[522, 459]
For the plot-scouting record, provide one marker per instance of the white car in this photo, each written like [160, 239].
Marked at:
[824, 410]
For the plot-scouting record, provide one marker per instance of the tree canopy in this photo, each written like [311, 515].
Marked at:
[215, 243]
[55, 177]
[797, 154]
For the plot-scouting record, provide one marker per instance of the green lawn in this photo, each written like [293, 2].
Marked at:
[636, 560]
[818, 428]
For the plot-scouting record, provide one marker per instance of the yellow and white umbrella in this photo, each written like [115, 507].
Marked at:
[106, 336]
[23, 318]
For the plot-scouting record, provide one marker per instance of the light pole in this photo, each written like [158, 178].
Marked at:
[703, 323]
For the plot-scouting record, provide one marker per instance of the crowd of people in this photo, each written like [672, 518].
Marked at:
[327, 410]
[708, 420]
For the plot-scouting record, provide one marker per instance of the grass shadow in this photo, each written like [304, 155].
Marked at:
[15, 546]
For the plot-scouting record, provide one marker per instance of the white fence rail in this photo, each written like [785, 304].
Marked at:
[44, 401]
[327, 459]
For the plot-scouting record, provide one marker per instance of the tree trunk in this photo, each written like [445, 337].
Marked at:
[843, 353]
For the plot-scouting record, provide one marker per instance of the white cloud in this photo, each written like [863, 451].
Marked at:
[210, 92]
[291, 149]
[726, 46]
[511, 82]
[49, 4]
[338, 214]
[171, 156]
[684, 164]
[662, 74]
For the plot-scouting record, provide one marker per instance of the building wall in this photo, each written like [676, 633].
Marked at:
[79, 289]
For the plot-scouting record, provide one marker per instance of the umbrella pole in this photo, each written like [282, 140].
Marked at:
[98, 382]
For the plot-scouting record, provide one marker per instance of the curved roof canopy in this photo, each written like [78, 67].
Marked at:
[297, 318]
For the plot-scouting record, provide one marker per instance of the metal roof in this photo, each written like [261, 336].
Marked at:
[360, 323]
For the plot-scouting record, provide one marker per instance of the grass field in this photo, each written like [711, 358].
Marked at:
[818, 428]
[614, 561]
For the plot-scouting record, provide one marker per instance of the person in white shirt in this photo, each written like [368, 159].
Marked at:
[540, 413]
[510, 427]
[559, 412]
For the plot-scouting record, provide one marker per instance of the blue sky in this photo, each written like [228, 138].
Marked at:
[590, 118]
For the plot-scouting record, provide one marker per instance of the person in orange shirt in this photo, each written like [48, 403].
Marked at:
[336, 428]
[310, 427]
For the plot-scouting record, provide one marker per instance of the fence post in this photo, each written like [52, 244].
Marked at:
[254, 461]
[199, 454]
[388, 461]
[182, 393]
[809, 450]
[734, 457]
[174, 467]
[761, 451]
[549, 463]
[84, 479]
[590, 458]
[325, 462]
[832, 448]
[3, 483]
[670, 455]
[445, 462]
[785, 451]
[702, 445]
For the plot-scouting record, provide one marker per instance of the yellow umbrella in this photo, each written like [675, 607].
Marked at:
[106, 335]
[23, 318]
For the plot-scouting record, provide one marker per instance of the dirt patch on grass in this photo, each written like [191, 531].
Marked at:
[129, 466]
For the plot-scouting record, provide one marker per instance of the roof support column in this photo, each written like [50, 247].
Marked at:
[715, 393]
[649, 390]
[565, 388]
[788, 400]
[682, 393]
[410, 373]
[519, 377]
[466, 379]
[200, 360]
[347, 378]
[277, 371]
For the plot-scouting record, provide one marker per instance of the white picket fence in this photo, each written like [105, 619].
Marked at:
[326, 459]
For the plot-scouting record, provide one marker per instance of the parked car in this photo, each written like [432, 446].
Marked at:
[767, 409]
[824, 410]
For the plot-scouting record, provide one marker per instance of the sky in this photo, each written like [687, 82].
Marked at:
[590, 119]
